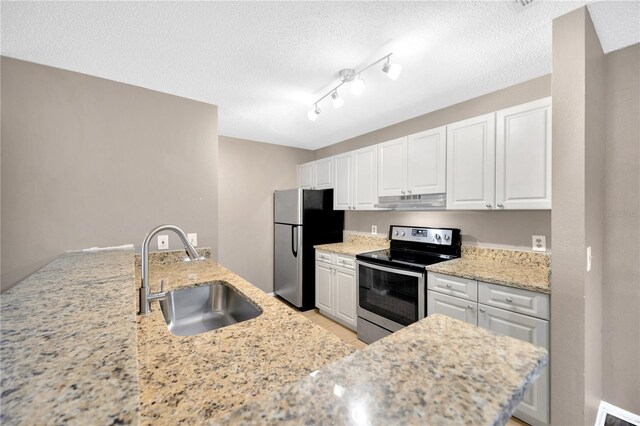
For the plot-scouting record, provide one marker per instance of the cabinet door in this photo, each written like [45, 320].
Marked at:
[342, 191]
[453, 307]
[305, 175]
[365, 190]
[523, 156]
[345, 287]
[392, 167]
[427, 161]
[534, 408]
[323, 173]
[471, 163]
[324, 288]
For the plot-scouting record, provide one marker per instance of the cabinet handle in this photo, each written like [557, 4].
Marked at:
[508, 299]
[448, 285]
[409, 192]
[402, 191]
[482, 310]
[488, 206]
[500, 205]
[354, 207]
[470, 307]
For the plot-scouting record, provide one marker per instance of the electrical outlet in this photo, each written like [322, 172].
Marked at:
[193, 239]
[539, 242]
[163, 242]
[374, 229]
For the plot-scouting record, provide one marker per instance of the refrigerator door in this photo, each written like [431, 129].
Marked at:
[288, 206]
[287, 277]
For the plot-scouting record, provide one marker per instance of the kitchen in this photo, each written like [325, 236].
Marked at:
[73, 171]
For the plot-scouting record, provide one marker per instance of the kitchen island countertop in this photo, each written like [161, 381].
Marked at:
[437, 371]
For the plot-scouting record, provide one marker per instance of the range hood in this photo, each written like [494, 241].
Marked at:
[413, 202]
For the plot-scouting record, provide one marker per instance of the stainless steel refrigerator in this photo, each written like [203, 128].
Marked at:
[303, 218]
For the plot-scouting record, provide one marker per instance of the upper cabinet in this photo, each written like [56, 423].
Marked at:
[355, 179]
[501, 160]
[415, 164]
[523, 156]
[316, 174]
[471, 148]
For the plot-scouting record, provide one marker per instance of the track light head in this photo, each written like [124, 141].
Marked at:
[392, 70]
[357, 86]
[314, 113]
[337, 100]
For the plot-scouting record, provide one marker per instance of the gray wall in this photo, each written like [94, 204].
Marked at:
[509, 229]
[621, 286]
[91, 162]
[578, 145]
[489, 229]
[249, 173]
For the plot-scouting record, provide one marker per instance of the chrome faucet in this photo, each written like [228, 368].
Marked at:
[146, 297]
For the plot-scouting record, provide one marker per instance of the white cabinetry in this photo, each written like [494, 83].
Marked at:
[316, 174]
[336, 289]
[501, 160]
[471, 163]
[513, 312]
[523, 156]
[415, 164]
[464, 310]
[355, 180]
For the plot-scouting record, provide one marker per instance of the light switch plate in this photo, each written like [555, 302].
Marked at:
[374, 229]
[193, 239]
[163, 242]
[539, 243]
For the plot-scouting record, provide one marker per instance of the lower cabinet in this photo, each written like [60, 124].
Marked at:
[450, 306]
[336, 290]
[498, 308]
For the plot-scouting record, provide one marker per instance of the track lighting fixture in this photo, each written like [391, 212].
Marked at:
[337, 100]
[314, 113]
[392, 70]
[349, 75]
[358, 86]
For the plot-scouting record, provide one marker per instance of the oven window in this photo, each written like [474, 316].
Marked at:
[391, 295]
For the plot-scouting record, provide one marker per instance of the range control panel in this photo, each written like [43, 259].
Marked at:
[422, 235]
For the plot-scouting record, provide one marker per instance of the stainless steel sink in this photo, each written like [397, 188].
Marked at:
[207, 307]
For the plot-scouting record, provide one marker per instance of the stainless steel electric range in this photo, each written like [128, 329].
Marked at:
[392, 282]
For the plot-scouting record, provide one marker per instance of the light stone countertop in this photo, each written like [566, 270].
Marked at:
[518, 269]
[436, 371]
[192, 379]
[68, 343]
[356, 244]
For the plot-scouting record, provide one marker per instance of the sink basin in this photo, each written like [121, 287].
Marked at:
[207, 307]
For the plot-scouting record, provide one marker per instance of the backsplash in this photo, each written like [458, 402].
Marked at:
[524, 258]
[169, 256]
[366, 239]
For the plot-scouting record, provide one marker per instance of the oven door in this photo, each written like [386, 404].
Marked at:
[389, 297]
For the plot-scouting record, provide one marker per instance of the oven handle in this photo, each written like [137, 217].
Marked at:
[392, 270]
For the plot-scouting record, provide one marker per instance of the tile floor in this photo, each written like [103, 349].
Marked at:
[339, 330]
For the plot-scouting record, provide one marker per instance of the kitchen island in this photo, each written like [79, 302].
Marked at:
[73, 351]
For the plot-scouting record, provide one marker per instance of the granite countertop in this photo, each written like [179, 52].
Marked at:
[192, 379]
[356, 244]
[436, 371]
[68, 343]
[518, 269]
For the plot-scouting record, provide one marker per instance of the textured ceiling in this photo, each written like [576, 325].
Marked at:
[264, 63]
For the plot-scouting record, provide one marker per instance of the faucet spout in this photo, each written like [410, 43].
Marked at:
[145, 296]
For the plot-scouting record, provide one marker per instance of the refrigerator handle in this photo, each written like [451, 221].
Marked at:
[294, 241]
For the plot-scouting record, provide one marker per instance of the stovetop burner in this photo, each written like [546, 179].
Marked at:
[414, 248]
